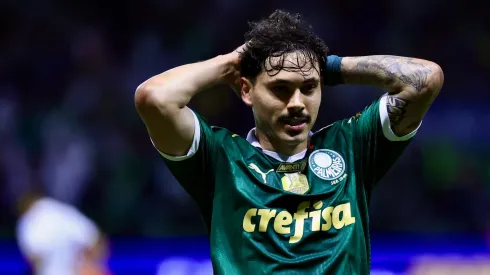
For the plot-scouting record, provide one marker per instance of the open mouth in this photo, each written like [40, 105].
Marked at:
[295, 123]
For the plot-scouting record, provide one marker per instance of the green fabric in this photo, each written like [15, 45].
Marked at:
[268, 217]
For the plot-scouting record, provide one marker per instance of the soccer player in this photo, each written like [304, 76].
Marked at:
[56, 238]
[285, 200]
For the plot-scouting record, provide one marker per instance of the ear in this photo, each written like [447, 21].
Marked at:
[246, 87]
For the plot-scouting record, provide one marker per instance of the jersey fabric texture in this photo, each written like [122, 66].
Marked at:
[302, 214]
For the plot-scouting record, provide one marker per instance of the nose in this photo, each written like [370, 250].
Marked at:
[296, 104]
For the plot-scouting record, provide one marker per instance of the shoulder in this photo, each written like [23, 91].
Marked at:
[233, 145]
[227, 138]
[222, 134]
[342, 126]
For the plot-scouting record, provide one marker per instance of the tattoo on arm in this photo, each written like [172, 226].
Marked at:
[387, 69]
[397, 109]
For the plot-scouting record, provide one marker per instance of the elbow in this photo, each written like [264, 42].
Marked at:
[151, 100]
[143, 97]
[148, 99]
[435, 79]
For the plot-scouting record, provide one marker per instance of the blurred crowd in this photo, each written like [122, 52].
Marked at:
[68, 72]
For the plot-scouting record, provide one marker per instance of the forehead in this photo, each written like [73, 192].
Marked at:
[295, 66]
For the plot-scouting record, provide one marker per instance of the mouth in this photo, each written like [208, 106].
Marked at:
[295, 124]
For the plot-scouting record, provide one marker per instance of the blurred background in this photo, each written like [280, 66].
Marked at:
[69, 69]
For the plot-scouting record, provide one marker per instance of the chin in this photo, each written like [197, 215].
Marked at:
[294, 138]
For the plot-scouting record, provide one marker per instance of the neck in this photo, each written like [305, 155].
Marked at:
[280, 147]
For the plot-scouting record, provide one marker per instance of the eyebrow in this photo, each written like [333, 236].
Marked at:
[287, 81]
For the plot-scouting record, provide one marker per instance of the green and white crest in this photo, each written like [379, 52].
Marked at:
[327, 164]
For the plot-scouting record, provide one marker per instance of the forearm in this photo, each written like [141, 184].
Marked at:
[177, 86]
[391, 73]
[412, 84]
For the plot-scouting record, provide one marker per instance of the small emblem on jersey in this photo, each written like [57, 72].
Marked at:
[295, 183]
[254, 167]
[327, 164]
[291, 167]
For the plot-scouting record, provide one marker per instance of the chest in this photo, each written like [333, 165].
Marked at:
[289, 201]
[323, 174]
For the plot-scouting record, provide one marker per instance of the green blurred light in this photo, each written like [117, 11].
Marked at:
[441, 164]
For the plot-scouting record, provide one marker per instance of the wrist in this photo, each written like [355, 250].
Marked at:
[220, 66]
[332, 74]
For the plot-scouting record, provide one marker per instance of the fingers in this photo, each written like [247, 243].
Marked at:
[243, 47]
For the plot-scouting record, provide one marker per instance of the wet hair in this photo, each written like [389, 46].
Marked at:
[276, 36]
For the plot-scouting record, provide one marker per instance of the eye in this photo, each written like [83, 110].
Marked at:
[280, 89]
[308, 88]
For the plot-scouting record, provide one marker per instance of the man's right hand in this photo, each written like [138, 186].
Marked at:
[162, 100]
[233, 77]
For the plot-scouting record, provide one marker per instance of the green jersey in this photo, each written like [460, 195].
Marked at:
[303, 214]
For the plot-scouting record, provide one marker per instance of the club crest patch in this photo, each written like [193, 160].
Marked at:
[327, 164]
[295, 183]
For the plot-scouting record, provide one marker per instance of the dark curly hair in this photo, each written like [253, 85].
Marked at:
[276, 36]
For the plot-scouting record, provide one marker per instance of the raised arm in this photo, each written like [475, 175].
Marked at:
[412, 85]
[161, 100]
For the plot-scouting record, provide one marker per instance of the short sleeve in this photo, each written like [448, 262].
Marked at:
[195, 170]
[377, 147]
[195, 143]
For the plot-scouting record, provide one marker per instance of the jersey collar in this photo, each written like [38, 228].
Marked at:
[252, 139]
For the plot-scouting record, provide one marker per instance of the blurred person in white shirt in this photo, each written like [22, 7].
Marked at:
[56, 238]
